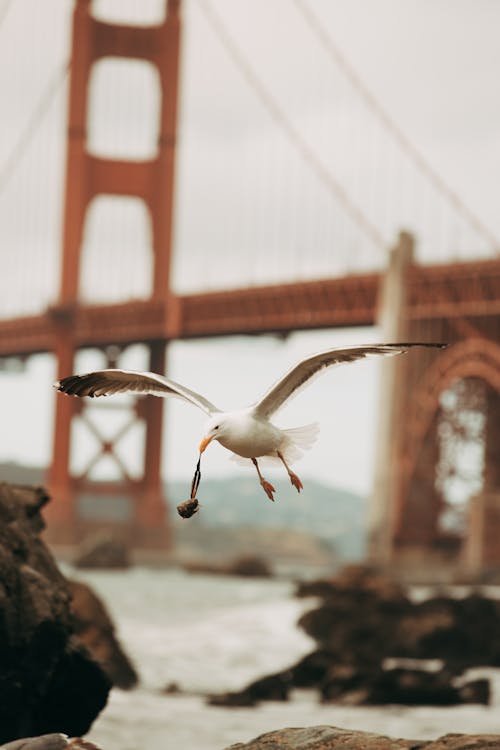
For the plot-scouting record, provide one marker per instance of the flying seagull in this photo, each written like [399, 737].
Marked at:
[248, 433]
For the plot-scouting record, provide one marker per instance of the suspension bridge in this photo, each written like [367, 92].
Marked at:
[287, 221]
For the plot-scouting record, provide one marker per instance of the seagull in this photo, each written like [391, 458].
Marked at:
[248, 433]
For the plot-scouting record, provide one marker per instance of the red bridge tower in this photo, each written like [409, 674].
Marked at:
[88, 176]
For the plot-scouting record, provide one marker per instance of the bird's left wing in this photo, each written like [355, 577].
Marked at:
[302, 372]
[109, 382]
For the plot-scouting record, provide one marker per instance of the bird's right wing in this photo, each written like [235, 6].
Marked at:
[303, 371]
[109, 382]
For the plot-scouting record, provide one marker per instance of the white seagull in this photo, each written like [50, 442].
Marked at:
[248, 433]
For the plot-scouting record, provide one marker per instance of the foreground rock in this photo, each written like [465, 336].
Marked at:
[48, 680]
[95, 629]
[50, 742]
[374, 644]
[332, 738]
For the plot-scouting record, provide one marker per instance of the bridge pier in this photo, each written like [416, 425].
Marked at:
[411, 508]
[392, 322]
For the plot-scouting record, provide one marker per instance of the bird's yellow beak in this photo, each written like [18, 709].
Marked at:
[205, 442]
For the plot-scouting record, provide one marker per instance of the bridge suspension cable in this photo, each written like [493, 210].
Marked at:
[4, 10]
[328, 44]
[284, 122]
[34, 121]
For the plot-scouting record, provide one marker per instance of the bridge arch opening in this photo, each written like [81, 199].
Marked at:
[123, 115]
[130, 12]
[461, 436]
[453, 431]
[117, 255]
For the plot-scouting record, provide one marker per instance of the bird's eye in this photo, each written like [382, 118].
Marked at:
[216, 427]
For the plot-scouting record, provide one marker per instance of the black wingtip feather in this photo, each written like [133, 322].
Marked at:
[434, 344]
[71, 385]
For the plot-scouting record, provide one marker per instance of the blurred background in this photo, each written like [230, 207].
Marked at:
[215, 190]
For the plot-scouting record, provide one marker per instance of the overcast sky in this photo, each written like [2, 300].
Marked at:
[249, 210]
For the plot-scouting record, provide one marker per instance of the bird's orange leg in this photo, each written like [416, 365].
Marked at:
[266, 486]
[294, 479]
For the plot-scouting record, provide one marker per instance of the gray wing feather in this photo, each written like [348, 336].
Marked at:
[110, 382]
[295, 379]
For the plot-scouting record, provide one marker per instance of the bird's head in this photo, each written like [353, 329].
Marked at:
[214, 430]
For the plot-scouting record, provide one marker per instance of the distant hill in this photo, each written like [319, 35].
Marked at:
[334, 515]
[18, 474]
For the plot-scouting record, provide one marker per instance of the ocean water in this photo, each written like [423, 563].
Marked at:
[210, 634]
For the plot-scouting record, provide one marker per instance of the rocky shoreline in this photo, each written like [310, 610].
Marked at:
[59, 655]
[298, 738]
[375, 646]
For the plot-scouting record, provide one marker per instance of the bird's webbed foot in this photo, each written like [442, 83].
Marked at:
[266, 486]
[295, 480]
[268, 489]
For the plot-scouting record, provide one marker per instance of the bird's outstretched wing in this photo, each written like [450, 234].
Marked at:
[302, 372]
[109, 382]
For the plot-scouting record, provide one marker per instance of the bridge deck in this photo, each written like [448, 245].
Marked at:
[458, 290]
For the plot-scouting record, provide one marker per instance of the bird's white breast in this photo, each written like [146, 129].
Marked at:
[250, 437]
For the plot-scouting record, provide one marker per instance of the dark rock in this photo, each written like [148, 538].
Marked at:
[172, 688]
[78, 690]
[250, 566]
[274, 687]
[311, 670]
[48, 683]
[466, 631]
[332, 738]
[246, 566]
[50, 742]
[360, 577]
[356, 622]
[364, 619]
[232, 700]
[346, 683]
[94, 628]
[102, 550]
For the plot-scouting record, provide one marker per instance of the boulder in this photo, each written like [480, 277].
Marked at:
[274, 687]
[354, 621]
[311, 670]
[102, 550]
[95, 629]
[352, 685]
[365, 617]
[324, 738]
[50, 742]
[463, 632]
[247, 566]
[333, 738]
[48, 680]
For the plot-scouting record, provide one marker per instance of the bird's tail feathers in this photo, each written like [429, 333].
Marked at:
[303, 437]
[296, 441]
